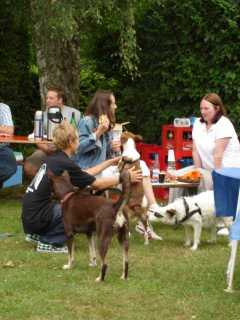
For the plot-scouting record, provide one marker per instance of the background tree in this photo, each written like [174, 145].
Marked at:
[158, 56]
[60, 27]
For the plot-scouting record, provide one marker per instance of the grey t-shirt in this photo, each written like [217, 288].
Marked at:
[66, 113]
[5, 118]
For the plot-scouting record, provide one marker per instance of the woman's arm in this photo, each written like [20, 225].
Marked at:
[218, 151]
[89, 134]
[196, 157]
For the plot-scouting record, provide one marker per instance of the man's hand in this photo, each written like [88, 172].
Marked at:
[135, 175]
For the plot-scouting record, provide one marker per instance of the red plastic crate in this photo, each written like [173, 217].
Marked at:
[147, 152]
[161, 193]
[177, 138]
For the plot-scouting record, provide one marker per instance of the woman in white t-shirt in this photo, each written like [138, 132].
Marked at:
[215, 142]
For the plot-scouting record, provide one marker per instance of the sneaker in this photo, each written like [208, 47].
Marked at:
[49, 248]
[223, 232]
[139, 228]
[32, 237]
[151, 234]
[154, 208]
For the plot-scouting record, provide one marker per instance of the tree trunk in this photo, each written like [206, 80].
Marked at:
[58, 56]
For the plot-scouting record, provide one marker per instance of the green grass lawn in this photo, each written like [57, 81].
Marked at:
[166, 281]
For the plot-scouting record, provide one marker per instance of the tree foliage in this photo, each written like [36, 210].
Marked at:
[158, 56]
[18, 84]
[188, 48]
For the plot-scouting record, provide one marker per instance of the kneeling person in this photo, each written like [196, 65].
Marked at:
[41, 216]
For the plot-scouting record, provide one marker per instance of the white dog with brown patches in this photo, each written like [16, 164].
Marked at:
[195, 212]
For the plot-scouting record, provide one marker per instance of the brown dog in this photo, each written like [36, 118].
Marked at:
[131, 158]
[85, 213]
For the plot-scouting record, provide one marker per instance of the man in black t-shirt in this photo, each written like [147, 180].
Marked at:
[42, 217]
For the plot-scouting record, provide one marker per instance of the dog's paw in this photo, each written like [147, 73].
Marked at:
[67, 266]
[93, 263]
[98, 279]
[194, 247]
[123, 277]
[146, 242]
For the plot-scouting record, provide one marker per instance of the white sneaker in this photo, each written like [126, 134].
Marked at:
[223, 232]
[154, 208]
[151, 234]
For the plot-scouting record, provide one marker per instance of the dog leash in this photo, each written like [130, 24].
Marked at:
[189, 213]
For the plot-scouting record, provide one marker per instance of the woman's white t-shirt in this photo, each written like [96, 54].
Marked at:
[205, 141]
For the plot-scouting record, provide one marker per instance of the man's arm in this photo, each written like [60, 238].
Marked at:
[6, 123]
[7, 130]
[48, 148]
[107, 182]
[103, 165]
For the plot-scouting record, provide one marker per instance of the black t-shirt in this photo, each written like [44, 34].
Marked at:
[37, 205]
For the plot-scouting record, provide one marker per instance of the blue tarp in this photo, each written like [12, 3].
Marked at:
[226, 183]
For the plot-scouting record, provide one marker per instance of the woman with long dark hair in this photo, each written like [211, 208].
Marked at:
[96, 144]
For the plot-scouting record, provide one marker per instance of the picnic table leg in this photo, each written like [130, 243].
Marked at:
[231, 265]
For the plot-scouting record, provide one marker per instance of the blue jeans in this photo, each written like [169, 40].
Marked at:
[55, 232]
[8, 165]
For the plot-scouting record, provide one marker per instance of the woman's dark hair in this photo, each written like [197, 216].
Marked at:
[216, 101]
[101, 105]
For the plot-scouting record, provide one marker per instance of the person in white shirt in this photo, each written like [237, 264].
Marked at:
[215, 142]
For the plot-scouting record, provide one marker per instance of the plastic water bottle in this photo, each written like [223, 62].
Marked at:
[155, 171]
[171, 164]
[38, 125]
[73, 120]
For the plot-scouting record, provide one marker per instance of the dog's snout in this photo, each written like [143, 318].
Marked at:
[158, 215]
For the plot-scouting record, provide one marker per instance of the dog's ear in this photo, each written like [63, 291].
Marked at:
[124, 137]
[138, 138]
[171, 212]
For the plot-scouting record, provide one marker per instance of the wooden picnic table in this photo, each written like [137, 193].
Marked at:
[175, 184]
[21, 139]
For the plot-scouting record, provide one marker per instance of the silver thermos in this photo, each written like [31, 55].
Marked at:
[38, 125]
[54, 117]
